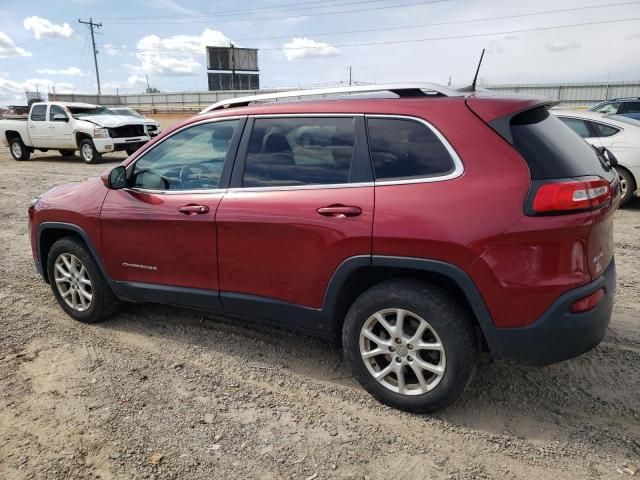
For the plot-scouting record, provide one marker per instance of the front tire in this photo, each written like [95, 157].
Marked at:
[88, 151]
[627, 185]
[410, 345]
[18, 150]
[131, 150]
[77, 282]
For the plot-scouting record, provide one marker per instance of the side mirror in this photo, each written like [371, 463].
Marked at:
[59, 117]
[118, 178]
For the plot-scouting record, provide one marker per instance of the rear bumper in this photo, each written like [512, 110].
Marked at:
[559, 334]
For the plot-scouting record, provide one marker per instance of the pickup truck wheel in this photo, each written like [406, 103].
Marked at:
[88, 151]
[78, 284]
[67, 153]
[131, 149]
[18, 150]
[410, 345]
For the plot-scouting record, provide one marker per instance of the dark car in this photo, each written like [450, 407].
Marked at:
[432, 226]
[629, 107]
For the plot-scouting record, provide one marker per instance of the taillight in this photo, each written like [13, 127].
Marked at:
[567, 196]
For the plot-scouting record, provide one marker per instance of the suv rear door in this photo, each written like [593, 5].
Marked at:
[300, 203]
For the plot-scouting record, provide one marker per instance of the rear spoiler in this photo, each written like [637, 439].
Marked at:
[498, 110]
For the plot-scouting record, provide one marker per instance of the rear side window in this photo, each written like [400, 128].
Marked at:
[299, 151]
[405, 149]
[39, 113]
[603, 130]
[577, 125]
[550, 148]
[629, 107]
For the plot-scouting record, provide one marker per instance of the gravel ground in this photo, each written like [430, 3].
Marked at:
[158, 392]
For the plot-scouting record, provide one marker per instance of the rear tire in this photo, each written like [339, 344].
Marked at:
[77, 282]
[18, 149]
[437, 342]
[67, 153]
[627, 185]
[88, 151]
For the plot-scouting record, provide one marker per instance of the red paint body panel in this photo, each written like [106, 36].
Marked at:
[147, 229]
[275, 244]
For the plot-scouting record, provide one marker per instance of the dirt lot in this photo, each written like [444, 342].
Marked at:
[158, 392]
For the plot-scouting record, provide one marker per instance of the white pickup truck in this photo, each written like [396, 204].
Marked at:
[67, 127]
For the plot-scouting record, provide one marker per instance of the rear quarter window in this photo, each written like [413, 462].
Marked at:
[551, 149]
[39, 113]
[406, 149]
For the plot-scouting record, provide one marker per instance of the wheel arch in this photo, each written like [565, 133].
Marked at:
[12, 134]
[81, 136]
[357, 274]
[51, 232]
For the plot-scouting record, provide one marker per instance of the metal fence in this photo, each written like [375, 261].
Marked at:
[574, 94]
[568, 94]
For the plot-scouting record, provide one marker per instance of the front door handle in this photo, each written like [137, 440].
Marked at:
[194, 209]
[339, 211]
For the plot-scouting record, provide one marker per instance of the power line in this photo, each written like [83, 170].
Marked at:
[249, 11]
[407, 27]
[190, 22]
[93, 26]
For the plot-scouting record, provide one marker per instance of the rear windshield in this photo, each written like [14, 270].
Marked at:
[552, 149]
[80, 112]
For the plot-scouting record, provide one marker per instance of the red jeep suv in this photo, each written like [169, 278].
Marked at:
[420, 224]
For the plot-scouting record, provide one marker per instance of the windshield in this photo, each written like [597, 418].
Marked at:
[606, 108]
[79, 112]
[127, 111]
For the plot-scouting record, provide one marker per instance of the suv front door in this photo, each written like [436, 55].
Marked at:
[161, 230]
[301, 202]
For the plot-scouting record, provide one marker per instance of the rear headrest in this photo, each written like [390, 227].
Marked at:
[277, 143]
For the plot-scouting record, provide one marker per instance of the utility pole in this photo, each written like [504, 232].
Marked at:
[148, 86]
[350, 75]
[92, 26]
[233, 67]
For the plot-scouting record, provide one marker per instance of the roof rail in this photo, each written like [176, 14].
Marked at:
[401, 89]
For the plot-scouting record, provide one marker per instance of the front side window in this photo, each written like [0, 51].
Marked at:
[299, 151]
[39, 113]
[405, 149]
[191, 159]
[56, 110]
[578, 126]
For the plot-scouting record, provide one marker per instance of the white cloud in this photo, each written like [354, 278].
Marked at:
[12, 91]
[112, 50]
[70, 72]
[302, 47]
[176, 55]
[41, 28]
[136, 80]
[9, 49]
[562, 45]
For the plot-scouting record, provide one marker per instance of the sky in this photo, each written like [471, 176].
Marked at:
[314, 42]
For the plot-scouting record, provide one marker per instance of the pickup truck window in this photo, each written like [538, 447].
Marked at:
[191, 159]
[39, 113]
[56, 110]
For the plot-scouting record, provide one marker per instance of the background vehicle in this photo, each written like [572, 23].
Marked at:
[620, 106]
[441, 265]
[153, 127]
[68, 127]
[619, 134]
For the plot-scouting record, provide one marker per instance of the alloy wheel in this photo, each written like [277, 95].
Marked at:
[623, 184]
[73, 282]
[87, 153]
[16, 149]
[402, 351]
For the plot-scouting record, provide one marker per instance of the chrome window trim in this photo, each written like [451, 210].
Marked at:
[457, 171]
[458, 166]
[177, 192]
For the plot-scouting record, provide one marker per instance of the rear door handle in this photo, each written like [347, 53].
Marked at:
[339, 211]
[194, 209]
